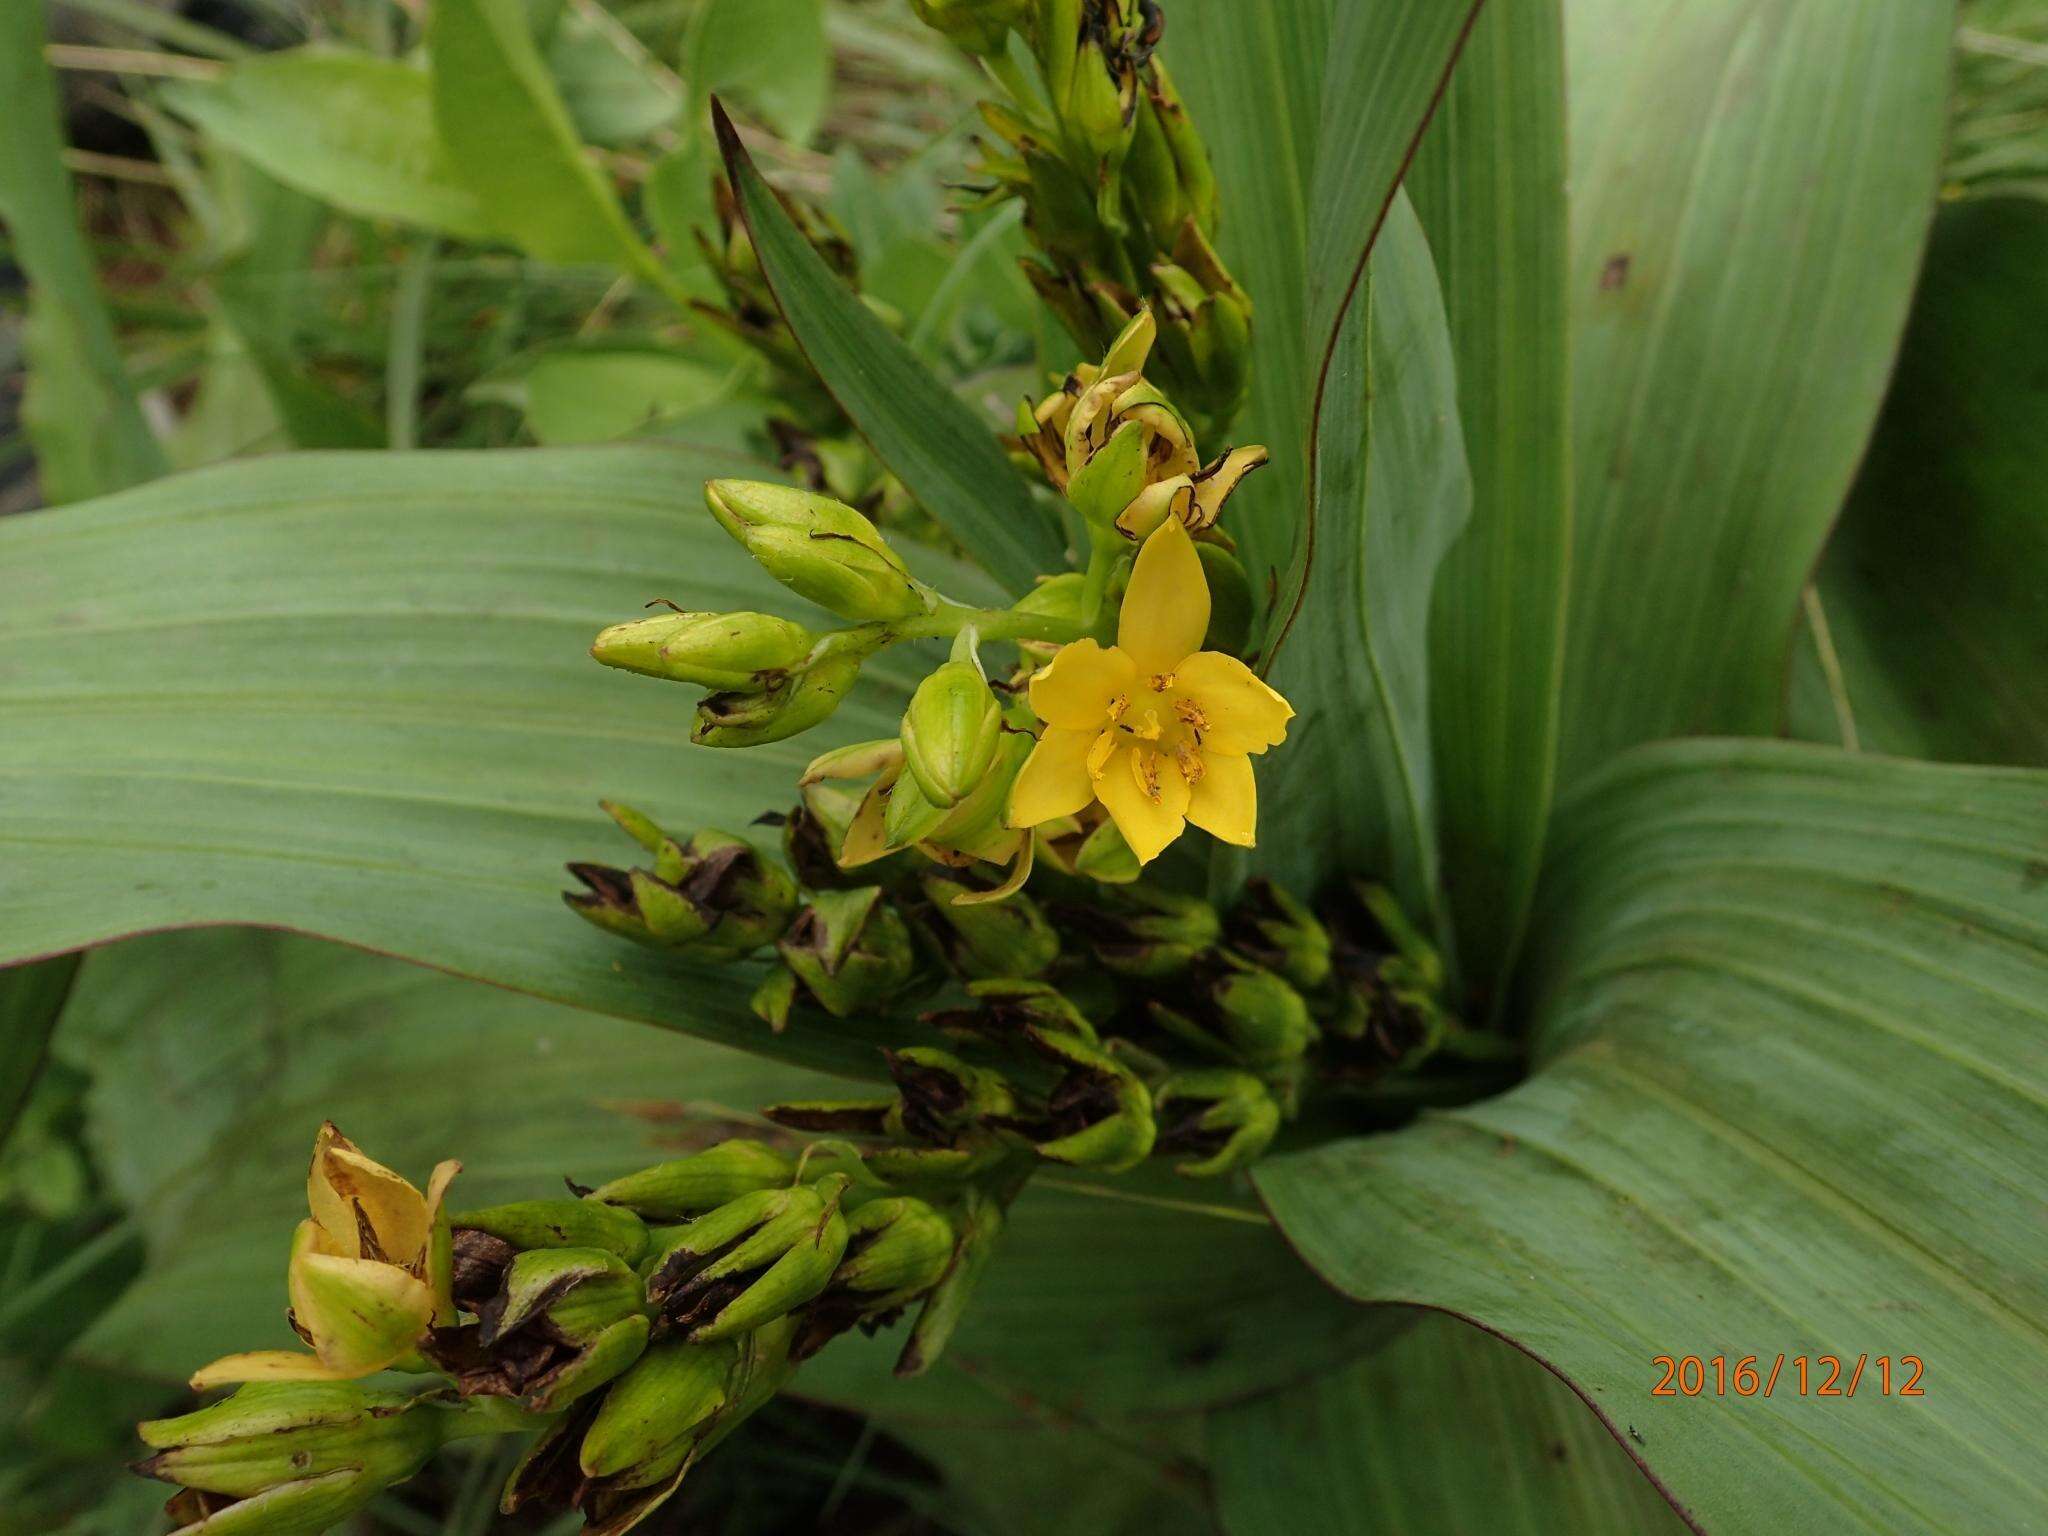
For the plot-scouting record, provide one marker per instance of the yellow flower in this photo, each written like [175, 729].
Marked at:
[370, 1271]
[1158, 730]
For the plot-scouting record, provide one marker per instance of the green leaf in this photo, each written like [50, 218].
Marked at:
[1734, 319]
[593, 395]
[80, 411]
[1788, 1099]
[943, 451]
[512, 142]
[1488, 183]
[770, 54]
[1935, 585]
[615, 90]
[1353, 788]
[217, 1056]
[1443, 1432]
[1388, 62]
[350, 694]
[1252, 75]
[31, 1001]
[353, 130]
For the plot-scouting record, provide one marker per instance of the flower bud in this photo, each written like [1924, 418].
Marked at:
[950, 733]
[713, 650]
[850, 949]
[1150, 934]
[1098, 1115]
[1273, 929]
[1057, 597]
[896, 1250]
[1005, 1010]
[562, 1322]
[978, 1225]
[690, 1186]
[979, 27]
[1008, 938]
[527, 1224]
[1221, 1120]
[714, 897]
[1246, 1014]
[289, 1457]
[1190, 154]
[939, 1095]
[653, 1414]
[819, 548]
[750, 1261]
[1100, 109]
[801, 700]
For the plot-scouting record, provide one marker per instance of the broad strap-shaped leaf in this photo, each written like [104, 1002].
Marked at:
[349, 694]
[1353, 789]
[1253, 77]
[1791, 1098]
[79, 410]
[1444, 1431]
[1935, 585]
[348, 128]
[1751, 187]
[512, 142]
[219, 1054]
[944, 452]
[1488, 183]
[31, 1001]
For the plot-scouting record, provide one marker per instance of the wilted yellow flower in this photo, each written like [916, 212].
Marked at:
[369, 1275]
[1157, 729]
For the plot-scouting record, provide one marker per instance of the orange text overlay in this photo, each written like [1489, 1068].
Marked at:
[1800, 1375]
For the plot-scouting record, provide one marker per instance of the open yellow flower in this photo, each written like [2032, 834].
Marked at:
[1157, 729]
[370, 1271]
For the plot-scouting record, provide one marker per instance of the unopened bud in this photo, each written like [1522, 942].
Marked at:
[1247, 1014]
[939, 1095]
[1271, 927]
[897, 1249]
[950, 733]
[690, 1186]
[1150, 934]
[751, 1261]
[850, 949]
[1004, 1010]
[819, 548]
[654, 1413]
[527, 1224]
[1099, 1114]
[1219, 1120]
[563, 1322]
[291, 1456]
[801, 700]
[978, 1225]
[713, 650]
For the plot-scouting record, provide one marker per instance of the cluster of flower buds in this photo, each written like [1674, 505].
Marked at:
[1115, 181]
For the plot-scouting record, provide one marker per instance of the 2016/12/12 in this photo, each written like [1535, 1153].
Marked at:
[1820, 1376]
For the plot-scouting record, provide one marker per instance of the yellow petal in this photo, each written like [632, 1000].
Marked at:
[440, 1264]
[1239, 713]
[1146, 797]
[1225, 800]
[1054, 780]
[1214, 483]
[1020, 871]
[264, 1365]
[360, 1315]
[1152, 506]
[1166, 609]
[389, 1214]
[1074, 690]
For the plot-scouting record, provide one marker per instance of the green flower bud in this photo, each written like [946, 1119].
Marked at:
[850, 949]
[1007, 938]
[1113, 476]
[714, 897]
[713, 650]
[1149, 934]
[1152, 177]
[819, 548]
[1218, 1119]
[896, 1250]
[290, 1456]
[978, 1224]
[1106, 858]
[1098, 1115]
[750, 1261]
[1244, 1014]
[562, 1323]
[527, 1224]
[1056, 597]
[1101, 107]
[939, 1095]
[979, 27]
[652, 1415]
[801, 700]
[1270, 927]
[1190, 154]
[950, 733]
[1004, 1010]
[703, 1181]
